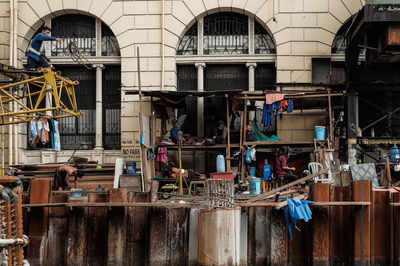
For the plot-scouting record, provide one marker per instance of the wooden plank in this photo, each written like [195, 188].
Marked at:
[320, 222]
[7, 179]
[362, 229]
[298, 181]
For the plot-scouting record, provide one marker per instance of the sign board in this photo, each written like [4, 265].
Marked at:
[130, 150]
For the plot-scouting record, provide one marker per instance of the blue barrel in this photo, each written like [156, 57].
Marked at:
[130, 168]
[75, 194]
[255, 185]
[320, 133]
[252, 171]
[267, 172]
[394, 154]
[220, 164]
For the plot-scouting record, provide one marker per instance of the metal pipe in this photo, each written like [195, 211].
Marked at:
[10, 128]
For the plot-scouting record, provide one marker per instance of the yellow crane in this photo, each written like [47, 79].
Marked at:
[33, 93]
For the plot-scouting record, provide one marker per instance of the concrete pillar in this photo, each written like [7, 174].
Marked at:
[99, 106]
[200, 100]
[251, 67]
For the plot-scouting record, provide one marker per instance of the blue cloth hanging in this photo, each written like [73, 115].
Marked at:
[290, 106]
[298, 210]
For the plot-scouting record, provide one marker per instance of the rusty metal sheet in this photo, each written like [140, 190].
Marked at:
[362, 227]
[279, 239]
[77, 236]
[55, 242]
[320, 221]
[116, 237]
[118, 195]
[258, 236]
[97, 231]
[137, 230]
[396, 230]
[380, 224]
[341, 224]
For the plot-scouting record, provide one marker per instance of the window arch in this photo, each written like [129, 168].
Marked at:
[339, 43]
[94, 40]
[227, 33]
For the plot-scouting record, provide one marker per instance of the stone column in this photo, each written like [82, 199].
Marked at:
[251, 67]
[99, 106]
[200, 100]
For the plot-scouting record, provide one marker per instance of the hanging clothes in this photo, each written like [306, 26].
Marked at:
[52, 131]
[32, 131]
[290, 106]
[274, 97]
[284, 105]
[57, 143]
[162, 154]
[267, 112]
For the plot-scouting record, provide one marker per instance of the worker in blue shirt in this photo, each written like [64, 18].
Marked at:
[36, 52]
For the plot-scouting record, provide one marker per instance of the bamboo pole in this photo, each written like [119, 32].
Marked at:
[140, 120]
[228, 141]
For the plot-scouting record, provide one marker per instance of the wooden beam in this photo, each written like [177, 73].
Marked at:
[228, 140]
[298, 181]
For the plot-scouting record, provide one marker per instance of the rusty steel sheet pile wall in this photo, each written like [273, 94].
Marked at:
[336, 235]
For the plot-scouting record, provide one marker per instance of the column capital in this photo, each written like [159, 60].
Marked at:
[200, 65]
[98, 66]
[251, 65]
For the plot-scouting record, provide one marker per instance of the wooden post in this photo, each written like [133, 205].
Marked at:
[228, 141]
[320, 221]
[330, 143]
[396, 230]
[242, 140]
[142, 155]
[362, 229]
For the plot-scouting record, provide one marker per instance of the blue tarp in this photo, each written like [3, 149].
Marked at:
[298, 210]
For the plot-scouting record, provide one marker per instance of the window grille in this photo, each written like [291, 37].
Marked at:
[188, 44]
[109, 43]
[112, 108]
[74, 28]
[226, 33]
[263, 43]
[79, 132]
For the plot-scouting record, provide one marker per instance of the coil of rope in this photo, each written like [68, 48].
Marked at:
[76, 55]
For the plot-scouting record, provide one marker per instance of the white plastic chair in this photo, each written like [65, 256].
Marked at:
[315, 167]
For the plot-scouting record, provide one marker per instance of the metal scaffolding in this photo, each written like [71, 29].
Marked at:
[35, 93]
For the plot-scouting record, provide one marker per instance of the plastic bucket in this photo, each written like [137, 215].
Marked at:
[75, 195]
[320, 133]
[252, 171]
[130, 168]
[255, 185]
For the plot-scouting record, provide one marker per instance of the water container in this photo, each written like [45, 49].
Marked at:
[255, 185]
[394, 154]
[131, 168]
[252, 171]
[267, 171]
[220, 163]
[75, 194]
[320, 133]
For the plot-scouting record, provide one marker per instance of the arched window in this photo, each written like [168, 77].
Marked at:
[227, 33]
[95, 41]
[227, 49]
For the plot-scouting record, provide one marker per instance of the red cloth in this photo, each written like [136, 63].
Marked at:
[282, 161]
[274, 97]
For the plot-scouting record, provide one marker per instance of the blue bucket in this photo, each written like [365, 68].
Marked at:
[131, 168]
[320, 133]
[252, 171]
[255, 185]
[75, 194]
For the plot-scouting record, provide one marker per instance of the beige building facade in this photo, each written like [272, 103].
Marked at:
[299, 29]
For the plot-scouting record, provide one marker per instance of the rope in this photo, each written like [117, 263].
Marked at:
[76, 56]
